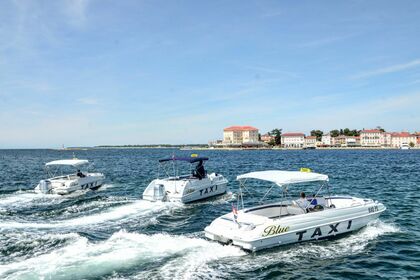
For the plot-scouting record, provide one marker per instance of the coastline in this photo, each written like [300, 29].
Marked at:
[201, 148]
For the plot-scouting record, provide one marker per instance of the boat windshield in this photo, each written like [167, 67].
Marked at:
[171, 165]
[284, 180]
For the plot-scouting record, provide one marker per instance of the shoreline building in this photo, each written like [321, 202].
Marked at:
[399, 139]
[240, 135]
[310, 141]
[293, 140]
[326, 140]
[371, 138]
[267, 138]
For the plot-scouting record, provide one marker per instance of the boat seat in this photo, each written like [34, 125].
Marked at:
[295, 210]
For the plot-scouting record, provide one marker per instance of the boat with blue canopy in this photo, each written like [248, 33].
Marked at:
[195, 185]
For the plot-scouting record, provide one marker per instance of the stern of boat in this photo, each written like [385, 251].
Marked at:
[154, 191]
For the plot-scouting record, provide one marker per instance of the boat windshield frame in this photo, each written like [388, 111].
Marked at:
[53, 170]
[173, 162]
[284, 187]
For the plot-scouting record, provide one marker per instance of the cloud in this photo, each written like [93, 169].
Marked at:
[88, 101]
[76, 10]
[324, 41]
[394, 112]
[387, 70]
[272, 14]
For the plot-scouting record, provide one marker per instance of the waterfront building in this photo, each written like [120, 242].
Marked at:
[310, 141]
[371, 138]
[240, 135]
[267, 138]
[386, 139]
[418, 139]
[293, 140]
[340, 141]
[326, 140]
[400, 138]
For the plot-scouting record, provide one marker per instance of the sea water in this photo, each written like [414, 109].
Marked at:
[112, 233]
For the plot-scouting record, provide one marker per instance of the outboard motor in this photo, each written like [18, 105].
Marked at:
[159, 192]
[45, 186]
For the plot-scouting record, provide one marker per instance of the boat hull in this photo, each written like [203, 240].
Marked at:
[300, 228]
[185, 190]
[63, 186]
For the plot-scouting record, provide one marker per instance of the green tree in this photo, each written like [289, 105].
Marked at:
[411, 144]
[334, 133]
[318, 133]
[277, 135]
[347, 132]
[380, 128]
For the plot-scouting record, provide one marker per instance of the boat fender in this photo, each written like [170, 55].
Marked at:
[332, 206]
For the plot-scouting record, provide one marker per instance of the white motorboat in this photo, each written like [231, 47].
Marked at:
[187, 188]
[290, 221]
[405, 146]
[65, 184]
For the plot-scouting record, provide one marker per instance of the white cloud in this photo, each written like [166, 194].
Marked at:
[387, 70]
[88, 101]
[76, 10]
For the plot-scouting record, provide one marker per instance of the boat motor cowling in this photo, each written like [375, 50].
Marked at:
[45, 186]
[159, 192]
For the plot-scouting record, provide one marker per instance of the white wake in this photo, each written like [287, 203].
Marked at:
[179, 257]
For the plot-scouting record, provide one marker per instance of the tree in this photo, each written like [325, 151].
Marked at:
[380, 128]
[411, 144]
[277, 135]
[347, 132]
[334, 133]
[318, 133]
[259, 137]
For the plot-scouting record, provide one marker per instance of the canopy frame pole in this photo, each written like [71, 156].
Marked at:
[272, 186]
[329, 194]
[242, 184]
[282, 199]
[316, 194]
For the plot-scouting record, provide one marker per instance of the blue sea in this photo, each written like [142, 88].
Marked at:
[112, 233]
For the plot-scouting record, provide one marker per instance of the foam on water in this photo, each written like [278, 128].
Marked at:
[28, 199]
[327, 249]
[178, 256]
[119, 213]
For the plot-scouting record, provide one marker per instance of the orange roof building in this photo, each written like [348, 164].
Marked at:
[238, 135]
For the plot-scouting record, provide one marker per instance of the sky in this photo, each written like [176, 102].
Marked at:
[97, 72]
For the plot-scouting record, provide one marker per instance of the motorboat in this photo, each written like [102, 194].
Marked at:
[196, 185]
[66, 184]
[405, 146]
[291, 220]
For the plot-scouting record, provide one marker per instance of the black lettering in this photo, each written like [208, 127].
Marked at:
[216, 188]
[211, 189]
[206, 191]
[300, 233]
[201, 192]
[349, 225]
[333, 228]
[317, 232]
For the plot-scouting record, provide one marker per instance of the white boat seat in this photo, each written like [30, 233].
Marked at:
[295, 210]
